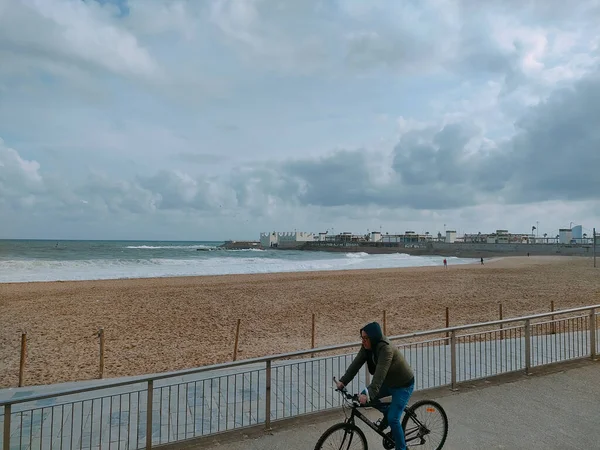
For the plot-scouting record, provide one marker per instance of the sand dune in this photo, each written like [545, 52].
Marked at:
[154, 325]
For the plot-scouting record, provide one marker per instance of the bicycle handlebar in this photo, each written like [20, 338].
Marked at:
[352, 397]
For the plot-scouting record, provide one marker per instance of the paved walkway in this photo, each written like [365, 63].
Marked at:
[552, 411]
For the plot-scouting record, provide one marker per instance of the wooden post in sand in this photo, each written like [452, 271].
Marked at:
[447, 325]
[552, 317]
[237, 337]
[101, 336]
[384, 324]
[23, 353]
[501, 325]
[312, 339]
[594, 246]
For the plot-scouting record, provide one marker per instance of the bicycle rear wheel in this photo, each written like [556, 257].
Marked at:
[425, 425]
[342, 436]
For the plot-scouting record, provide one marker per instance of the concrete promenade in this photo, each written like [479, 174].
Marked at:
[556, 408]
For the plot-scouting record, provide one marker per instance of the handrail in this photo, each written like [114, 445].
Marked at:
[264, 359]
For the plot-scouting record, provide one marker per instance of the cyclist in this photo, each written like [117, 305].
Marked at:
[391, 376]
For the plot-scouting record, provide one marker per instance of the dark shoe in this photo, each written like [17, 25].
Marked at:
[382, 424]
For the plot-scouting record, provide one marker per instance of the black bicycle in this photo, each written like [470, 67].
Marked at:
[425, 424]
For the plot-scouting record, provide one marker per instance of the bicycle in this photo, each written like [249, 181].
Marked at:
[416, 432]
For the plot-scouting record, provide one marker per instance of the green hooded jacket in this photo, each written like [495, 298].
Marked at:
[384, 360]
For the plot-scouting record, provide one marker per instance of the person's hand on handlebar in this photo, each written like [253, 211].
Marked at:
[339, 385]
[362, 399]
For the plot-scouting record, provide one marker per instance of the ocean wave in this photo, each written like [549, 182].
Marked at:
[169, 247]
[356, 255]
[214, 263]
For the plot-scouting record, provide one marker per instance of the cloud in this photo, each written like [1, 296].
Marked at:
[553, 156]
[240, 114]
[20, 179]
[71, 33]
[201, 158]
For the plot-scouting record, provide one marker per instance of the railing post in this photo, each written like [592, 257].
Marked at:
[593, 334]
[268, 397]
[149, 414]
[6, 443]
[527, 346]
[453, 358]
[447, 324]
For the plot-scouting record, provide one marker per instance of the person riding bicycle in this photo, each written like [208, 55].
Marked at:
[391, 376]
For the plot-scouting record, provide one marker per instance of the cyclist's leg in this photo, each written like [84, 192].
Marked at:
[400, 397]
[384, 391]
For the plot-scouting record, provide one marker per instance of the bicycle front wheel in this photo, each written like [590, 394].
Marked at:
[342, 436]
[425, 425]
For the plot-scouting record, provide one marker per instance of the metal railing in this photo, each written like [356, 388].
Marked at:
[172, 407]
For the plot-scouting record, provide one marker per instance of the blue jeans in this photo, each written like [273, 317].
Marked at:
[400, 397]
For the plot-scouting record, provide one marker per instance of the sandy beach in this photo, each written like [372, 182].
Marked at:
[154, 325]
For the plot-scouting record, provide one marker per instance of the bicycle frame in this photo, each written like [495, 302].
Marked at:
[356, 413]
[409, 435]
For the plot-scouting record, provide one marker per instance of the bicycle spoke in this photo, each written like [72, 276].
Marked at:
[342, 440]
[426, 428]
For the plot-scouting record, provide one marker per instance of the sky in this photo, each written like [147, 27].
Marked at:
[221, 119]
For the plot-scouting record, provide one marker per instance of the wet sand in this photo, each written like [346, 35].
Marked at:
[160, 324]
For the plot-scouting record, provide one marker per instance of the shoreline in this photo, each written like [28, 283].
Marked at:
[162, 324]
[475, 261]
[253, 274]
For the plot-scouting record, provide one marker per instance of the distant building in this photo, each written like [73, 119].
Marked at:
[450, 236]
[577, 232]
[565, 235]
[375, 236]
[291, 239]
[409, 237]
[268, 240]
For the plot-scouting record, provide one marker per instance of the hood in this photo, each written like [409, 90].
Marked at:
[373, 330]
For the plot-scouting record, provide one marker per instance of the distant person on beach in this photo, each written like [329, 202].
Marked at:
[482, 260]
[391, 376]
[445, 263]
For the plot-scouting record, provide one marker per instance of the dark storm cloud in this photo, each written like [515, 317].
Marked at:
[554, 155]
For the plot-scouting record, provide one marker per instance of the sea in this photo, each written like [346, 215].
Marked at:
[46, 260]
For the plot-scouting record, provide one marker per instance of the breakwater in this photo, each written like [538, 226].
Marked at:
[465, 250]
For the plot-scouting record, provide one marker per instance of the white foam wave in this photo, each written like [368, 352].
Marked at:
[175, 247]
[356, 255]
[96, 269]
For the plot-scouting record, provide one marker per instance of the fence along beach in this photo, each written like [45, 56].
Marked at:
[161, 324]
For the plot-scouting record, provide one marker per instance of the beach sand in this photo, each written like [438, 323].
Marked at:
[161, 324]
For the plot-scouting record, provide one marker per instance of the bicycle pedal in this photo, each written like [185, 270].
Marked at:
[388, 441]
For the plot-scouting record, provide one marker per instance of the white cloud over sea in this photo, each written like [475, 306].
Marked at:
[174, 119]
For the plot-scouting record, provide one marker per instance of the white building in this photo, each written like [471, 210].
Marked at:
[376, 236]
[450, 237]
[293, 239]
[268, 240]
[502, 237]
[565, 235]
